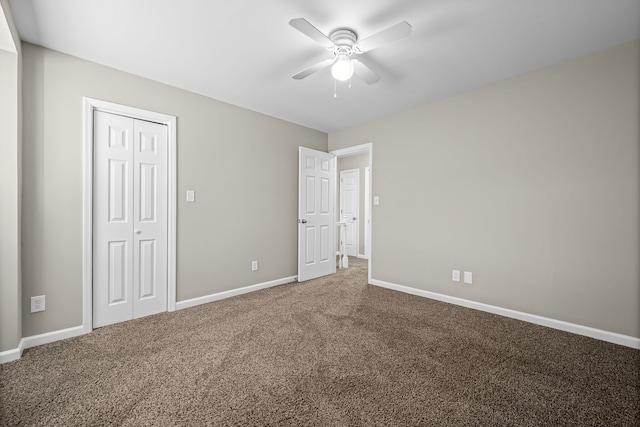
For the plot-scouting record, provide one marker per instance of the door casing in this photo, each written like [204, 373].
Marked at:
[89, 106]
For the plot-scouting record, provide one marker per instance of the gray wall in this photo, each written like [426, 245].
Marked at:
[359, 161]
[242, 165]
[10, 183]
[532, 184]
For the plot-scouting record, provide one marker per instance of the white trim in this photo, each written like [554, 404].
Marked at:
[361, 256]
[53, 336]
[13, 354]
[49, 337]
[367, 211]
[36, 340]
[352, 151]
[587, 331]
[89, 106]
[233, 292]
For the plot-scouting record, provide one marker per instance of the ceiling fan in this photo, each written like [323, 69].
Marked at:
[344, 43]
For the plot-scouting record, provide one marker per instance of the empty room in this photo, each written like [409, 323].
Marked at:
[325, 213]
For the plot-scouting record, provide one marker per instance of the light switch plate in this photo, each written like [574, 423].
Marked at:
[191, 196]
[468, 277]
[376, 200]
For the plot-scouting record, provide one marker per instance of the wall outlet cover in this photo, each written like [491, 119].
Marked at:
[468, 277]
[455, 275]
[38, 303]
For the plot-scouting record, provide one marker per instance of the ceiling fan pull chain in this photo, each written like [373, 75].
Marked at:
[335, 88]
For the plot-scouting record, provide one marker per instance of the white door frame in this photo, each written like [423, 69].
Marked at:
[367, 212]
[89, 106]
[351, 151]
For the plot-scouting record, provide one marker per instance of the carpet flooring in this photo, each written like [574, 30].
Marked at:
[328, 352]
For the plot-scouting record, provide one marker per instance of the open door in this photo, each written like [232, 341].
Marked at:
[316, 214]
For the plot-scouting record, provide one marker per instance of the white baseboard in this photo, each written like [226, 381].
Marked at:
[49, 337]
[362, 256]
[625, 340]
[599, 334]
[53, 336]
[232, 293]
[36, 340]
[13, 354]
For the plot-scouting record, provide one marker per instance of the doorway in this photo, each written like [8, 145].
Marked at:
[365, 197]
[129, 213]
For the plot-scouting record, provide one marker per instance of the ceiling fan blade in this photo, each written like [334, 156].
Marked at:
[314, 68]
[309, 30]
[391, 34]
[364, 72]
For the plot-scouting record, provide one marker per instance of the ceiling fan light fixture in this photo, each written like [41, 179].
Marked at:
[342, 69]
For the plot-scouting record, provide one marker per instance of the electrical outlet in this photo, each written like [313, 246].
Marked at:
[37, 304]
[455, 275]
[254, 265]
[468, 277]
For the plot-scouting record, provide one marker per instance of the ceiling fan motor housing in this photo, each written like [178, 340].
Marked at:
[344, 38]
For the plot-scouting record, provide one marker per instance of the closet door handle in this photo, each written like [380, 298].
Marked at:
[137, 231]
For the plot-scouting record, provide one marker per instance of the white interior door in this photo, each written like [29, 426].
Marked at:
[130, 219]
[349, 207]
[316, 214]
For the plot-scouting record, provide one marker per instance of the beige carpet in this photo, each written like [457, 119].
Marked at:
[328, 352]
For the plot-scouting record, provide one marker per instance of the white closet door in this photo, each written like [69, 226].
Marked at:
[150, 218]
[130, 219]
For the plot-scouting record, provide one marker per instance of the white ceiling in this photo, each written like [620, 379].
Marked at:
[244, 52]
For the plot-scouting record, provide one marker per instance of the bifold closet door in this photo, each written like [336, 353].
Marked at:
[129, 219]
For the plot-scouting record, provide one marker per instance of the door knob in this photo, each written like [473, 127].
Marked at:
[354, 218]
[303, 221]
[137, 231]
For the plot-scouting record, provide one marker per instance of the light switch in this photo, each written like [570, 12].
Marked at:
[376, 200]
[191, 196]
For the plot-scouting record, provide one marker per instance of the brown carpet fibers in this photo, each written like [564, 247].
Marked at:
[328, 352]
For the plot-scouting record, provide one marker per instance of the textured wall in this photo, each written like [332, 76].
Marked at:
[242, 165]
[532, 184]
